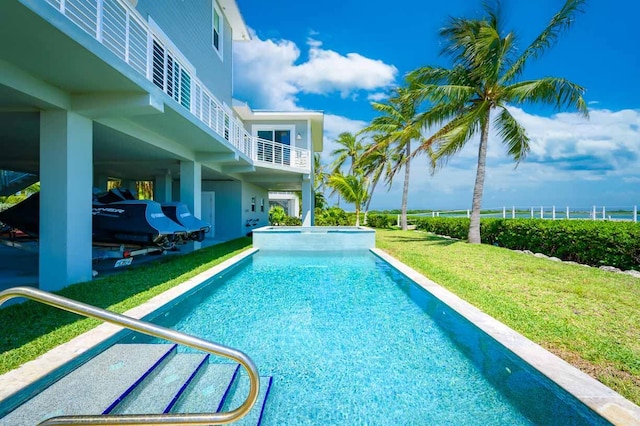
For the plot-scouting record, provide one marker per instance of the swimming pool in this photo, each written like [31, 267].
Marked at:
[350, 340]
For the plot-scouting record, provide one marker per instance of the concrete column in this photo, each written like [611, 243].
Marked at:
[294, 206]
[307, 202]
[163, 188]
[66, 176]
[191, 186]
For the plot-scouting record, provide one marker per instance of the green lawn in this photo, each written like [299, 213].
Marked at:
[588, 317]
[31, 329]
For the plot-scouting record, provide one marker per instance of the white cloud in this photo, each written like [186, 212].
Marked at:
[327, 71]
[260, 67]
[377, 97]
[270, 71]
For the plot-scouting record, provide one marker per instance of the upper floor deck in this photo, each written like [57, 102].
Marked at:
[144, 47]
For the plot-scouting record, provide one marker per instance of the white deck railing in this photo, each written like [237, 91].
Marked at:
[121, 29]
[278, 153]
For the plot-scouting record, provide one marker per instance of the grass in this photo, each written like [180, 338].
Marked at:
[584, 315]
[30, 329]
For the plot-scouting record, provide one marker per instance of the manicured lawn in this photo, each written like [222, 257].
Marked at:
[31, 329]
[588, 317]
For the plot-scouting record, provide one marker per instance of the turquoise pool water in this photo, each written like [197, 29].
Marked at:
[351, 341]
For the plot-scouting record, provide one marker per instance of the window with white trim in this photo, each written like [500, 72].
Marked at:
[218, 27]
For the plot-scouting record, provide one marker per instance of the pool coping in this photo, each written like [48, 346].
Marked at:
[603, 400]
[28, 373]
[600, 398]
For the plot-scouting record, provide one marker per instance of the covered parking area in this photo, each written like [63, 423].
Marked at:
[74, 114]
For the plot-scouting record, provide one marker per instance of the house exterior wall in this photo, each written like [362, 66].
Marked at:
[259, 217]
[301, 127]
[191, 31]
[228, 206]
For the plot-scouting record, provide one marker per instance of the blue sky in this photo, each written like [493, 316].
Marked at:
[338, 55]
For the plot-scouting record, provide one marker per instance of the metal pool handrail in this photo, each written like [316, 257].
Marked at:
[151, 330]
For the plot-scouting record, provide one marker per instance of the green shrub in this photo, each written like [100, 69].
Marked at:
[449, 226]
[375, 220]
[590, 242]
[333, 216]
[292, 221]
[277, 215]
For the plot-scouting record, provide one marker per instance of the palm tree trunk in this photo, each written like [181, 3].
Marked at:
[476, 204]
[405, 190]
[357, 216]
[373, 187]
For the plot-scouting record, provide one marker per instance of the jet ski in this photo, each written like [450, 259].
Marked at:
[130, 221]
[179, 213]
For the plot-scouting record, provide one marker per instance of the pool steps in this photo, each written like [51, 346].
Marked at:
[239, 392]
[143, 379]
[156, 393]
[210, 389]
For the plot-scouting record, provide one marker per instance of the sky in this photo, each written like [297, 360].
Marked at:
[337, 56]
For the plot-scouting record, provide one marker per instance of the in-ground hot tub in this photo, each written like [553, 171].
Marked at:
[314, 238]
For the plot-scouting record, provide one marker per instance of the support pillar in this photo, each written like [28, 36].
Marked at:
[191, 186]
[66, 176]
[307, 201]
[163, 188]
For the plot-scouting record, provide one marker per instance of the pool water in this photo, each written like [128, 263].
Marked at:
[349, 340]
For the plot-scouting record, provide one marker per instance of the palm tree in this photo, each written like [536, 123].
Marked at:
[320, 202]
[351, 149]
[398, 126]
[320, 175]
[353, 188]
[377, 160]
[485, 77]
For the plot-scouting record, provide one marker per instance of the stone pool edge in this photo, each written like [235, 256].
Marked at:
[28, 373]
[603, 400]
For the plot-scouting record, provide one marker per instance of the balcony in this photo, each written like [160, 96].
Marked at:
[121, 29]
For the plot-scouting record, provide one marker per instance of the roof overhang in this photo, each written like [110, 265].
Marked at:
[238, 26]
[315, 118]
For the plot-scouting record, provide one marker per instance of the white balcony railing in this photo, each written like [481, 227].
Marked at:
[278, 153]
[121, 29]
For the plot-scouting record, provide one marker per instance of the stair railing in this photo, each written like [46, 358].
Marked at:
[149, 329]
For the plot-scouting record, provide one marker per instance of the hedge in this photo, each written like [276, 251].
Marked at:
[375, 220]
[590, 242]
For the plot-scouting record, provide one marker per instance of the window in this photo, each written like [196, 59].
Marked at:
[253, 204]
[278, 152]
[217, 29]
[262, 204]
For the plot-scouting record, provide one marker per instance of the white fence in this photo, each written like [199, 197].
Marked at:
[626, 213]
[120, 28]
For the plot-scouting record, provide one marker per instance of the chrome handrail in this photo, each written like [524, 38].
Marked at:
[151, 330]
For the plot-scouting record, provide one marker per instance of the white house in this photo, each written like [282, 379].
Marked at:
[139, 90]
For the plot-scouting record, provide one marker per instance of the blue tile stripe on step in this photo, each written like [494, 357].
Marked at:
[140, 379]
[264, 401]
[185, 384]
[228, 391]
